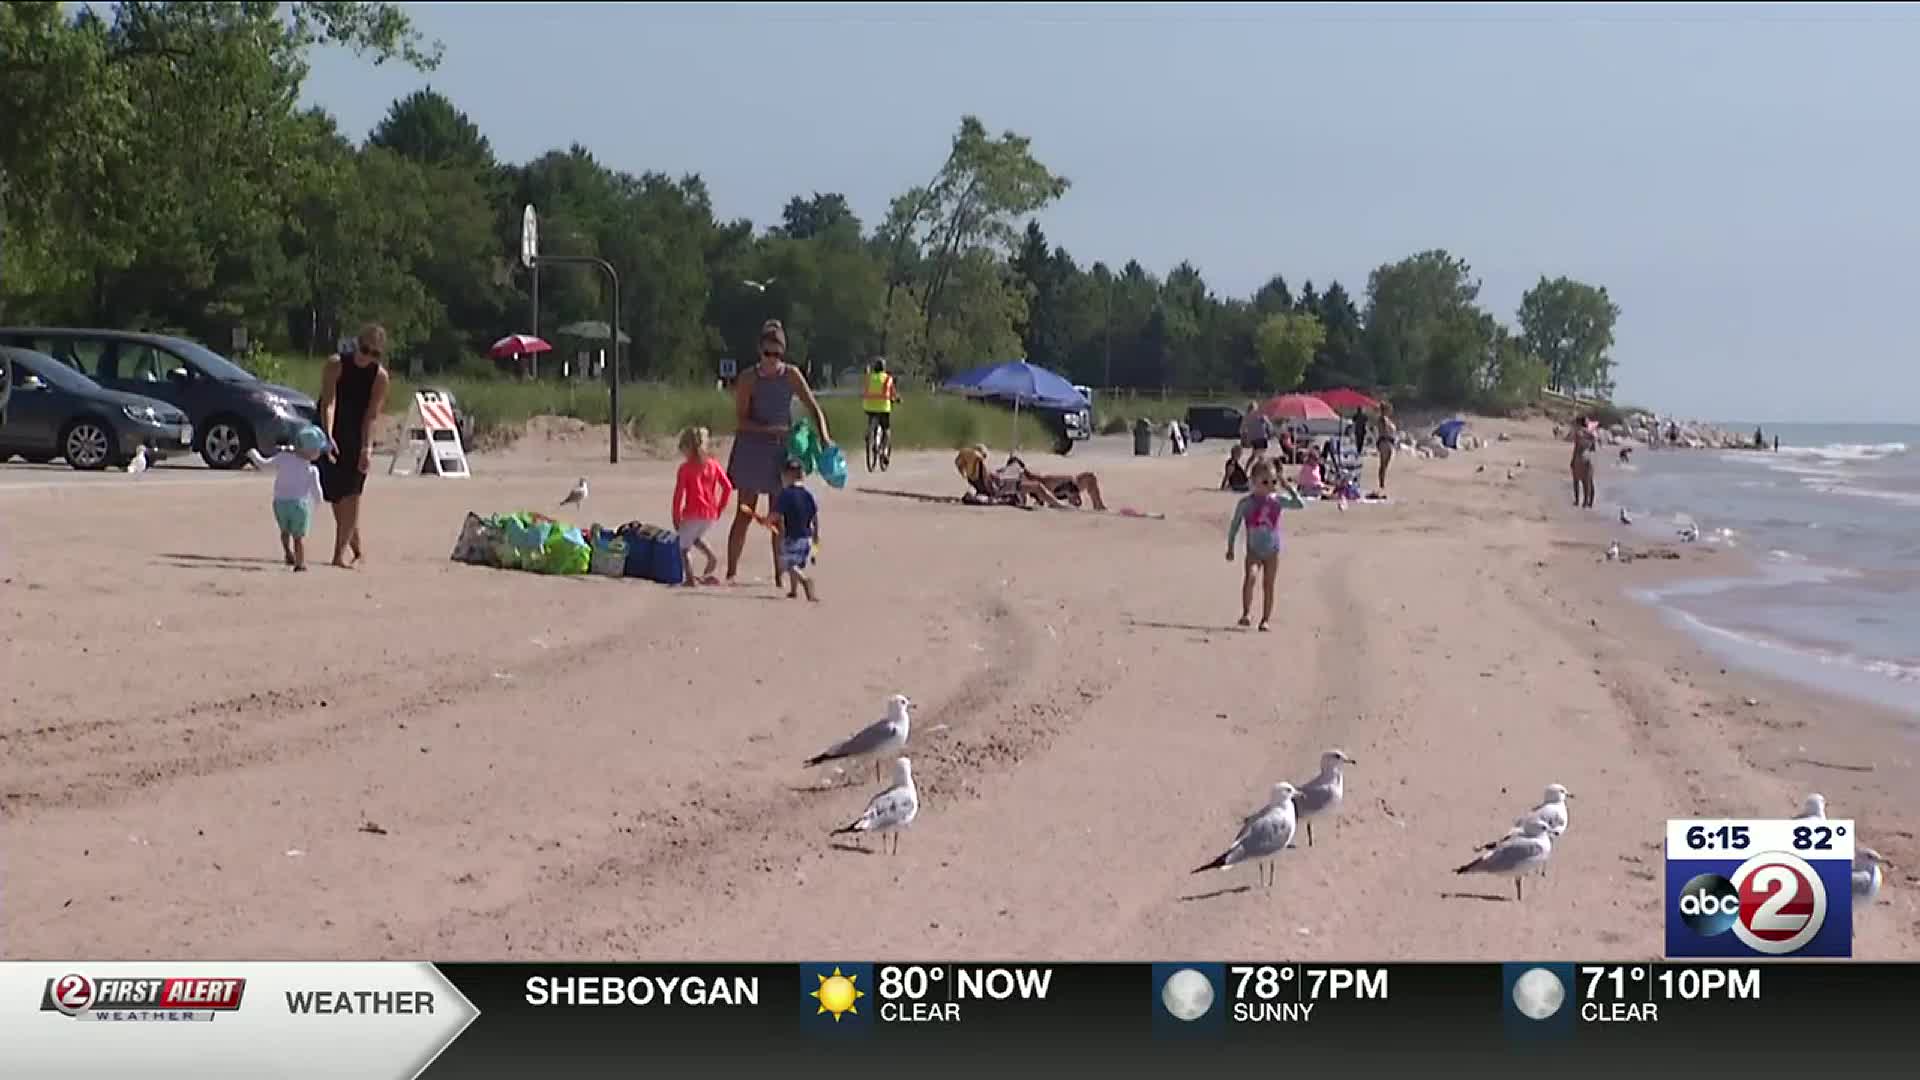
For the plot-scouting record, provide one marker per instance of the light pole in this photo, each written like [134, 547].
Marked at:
[613, 342]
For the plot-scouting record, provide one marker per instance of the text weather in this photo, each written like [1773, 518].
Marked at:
[923, 993]
[1289, 993]
[1741, 889]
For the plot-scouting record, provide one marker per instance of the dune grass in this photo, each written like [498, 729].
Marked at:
[500, 408]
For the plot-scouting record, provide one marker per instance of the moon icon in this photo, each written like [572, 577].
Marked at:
[1187, 994]
[1538, 993]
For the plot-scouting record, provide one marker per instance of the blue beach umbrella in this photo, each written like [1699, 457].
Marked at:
[1022, 384]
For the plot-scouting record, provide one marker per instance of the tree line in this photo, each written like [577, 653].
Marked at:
[156, 172]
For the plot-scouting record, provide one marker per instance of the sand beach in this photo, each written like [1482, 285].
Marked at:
[202, 755]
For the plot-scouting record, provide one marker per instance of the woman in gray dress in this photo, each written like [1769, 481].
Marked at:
[763, 400]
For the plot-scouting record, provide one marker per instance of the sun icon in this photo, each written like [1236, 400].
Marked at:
[837, 994]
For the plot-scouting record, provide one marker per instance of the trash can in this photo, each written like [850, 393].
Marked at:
[1142, 437]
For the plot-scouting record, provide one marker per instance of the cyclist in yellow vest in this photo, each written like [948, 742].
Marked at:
[877, 400]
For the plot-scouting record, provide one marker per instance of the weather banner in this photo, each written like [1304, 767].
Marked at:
[608, 1020]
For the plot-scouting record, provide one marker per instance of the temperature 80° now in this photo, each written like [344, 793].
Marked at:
[1288, 993]
[922, 993]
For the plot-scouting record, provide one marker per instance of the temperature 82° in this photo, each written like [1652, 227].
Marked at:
[1262, 983]
[912, 982]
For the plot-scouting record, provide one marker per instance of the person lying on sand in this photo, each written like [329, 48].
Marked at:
[1016, 483]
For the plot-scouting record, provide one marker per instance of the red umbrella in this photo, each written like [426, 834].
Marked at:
[1298, 407]
[518, 345]
[1347, 399]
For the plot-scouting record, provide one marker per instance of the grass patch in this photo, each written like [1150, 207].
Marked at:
[500, 408]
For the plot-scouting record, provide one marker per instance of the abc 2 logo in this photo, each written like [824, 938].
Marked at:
[1772, 904]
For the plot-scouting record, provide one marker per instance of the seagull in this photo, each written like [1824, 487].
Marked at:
[874, 741]
[1625, 518]
[1322, 794]
[1265, 833]
[578, 496]
[1518, 854]
[1690, 533]
[1866, 873]
[1613, 551]
[1478, 469]
[891, 810]
[139, 463]
[1520, 463]
[1509, 475]
[1552, 813]
[757, 286]
[1814, 809]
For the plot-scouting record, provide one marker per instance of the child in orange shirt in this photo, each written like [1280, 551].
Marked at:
[701, 492]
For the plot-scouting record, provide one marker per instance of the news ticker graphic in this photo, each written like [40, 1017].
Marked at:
[1759, 889]
[378, 1020]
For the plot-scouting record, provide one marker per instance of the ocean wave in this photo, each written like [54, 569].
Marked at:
[1901, 498]
[1868, 665]
[1845, 452]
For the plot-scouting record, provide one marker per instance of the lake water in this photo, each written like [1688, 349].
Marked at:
[1831, 524]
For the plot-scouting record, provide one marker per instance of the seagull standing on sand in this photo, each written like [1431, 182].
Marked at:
[1509, 476]
[1519, 854]
[1625, 518]
[891, 810]
[1322, 794]
[1690, 533]
[1866, 873]
[876, 740]
[139, 463]
[1552, 813]
[1613, 551]
[578, 496]
[1264, 834]
[1814, 809]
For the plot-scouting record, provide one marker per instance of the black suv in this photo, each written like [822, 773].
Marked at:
[231, 409]
[1213, 422]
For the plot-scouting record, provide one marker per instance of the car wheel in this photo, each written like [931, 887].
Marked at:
[225, 443]
[87, 444]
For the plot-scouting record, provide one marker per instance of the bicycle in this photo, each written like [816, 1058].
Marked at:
[879, 445]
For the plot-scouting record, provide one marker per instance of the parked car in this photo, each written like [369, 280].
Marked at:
[1213, 422]
[231, 409]
[1079, 425]
[56, 412]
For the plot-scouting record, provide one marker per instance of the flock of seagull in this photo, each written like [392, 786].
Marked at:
[1269, 830]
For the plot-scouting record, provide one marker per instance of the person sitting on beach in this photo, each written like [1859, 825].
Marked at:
[1287, 447]
[1015, 483]
[1234, 477]
[1310, 481]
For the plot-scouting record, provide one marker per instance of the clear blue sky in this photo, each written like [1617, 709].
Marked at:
[1743, 180]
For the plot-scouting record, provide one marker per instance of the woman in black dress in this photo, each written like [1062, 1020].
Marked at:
[352, 392]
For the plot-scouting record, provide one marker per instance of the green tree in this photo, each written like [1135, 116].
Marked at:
[1343, 359]
[1273, 298]
[986, 186]
[1408, 302]
[1286, 344]
[1569, 325]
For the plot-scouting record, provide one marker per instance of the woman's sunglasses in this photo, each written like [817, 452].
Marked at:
[771, 354]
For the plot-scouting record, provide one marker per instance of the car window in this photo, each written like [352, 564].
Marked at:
[51, 373]
[144, 363]
[81, 354]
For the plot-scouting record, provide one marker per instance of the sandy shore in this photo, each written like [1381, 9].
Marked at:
[196, 743]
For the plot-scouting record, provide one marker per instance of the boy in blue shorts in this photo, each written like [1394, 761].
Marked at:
[296, 488]
[797, 519]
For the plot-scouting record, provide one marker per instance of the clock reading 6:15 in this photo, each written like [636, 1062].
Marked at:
[1726, 837]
